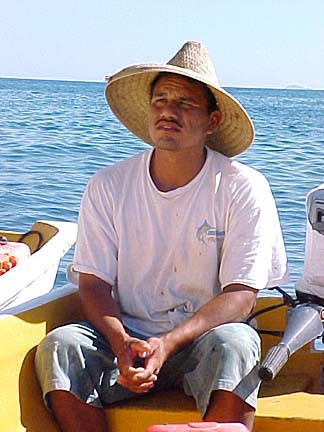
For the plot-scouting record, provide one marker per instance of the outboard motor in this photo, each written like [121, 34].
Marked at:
[304, 321]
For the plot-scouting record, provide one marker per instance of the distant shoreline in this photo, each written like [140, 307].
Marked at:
[297, 87]
[289, 87]
[52, 79]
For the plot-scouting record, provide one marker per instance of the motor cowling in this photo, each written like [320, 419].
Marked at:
[310, 288]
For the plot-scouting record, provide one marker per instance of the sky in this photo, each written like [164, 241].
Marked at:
[253, 43]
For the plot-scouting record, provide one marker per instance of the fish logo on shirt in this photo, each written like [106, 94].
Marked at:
[208, 234]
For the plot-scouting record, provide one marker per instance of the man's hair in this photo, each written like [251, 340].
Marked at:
[212, 104]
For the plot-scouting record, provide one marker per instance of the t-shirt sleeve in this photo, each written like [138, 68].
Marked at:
[253, 251]
[96, 245]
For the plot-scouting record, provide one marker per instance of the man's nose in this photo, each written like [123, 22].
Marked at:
[170, 110]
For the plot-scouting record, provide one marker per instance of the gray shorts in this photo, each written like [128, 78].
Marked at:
[77, 358]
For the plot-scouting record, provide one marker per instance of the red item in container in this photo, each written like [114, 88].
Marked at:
[6, 263]
[11, 253]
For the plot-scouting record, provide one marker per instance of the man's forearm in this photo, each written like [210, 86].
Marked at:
[102, 311]
[234, 304]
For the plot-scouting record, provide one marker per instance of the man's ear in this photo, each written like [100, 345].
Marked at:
[214, 119]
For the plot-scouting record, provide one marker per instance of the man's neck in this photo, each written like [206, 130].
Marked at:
[170, 169]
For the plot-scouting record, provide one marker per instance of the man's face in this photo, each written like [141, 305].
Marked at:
[178, 114]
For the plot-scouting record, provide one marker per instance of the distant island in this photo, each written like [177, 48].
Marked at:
[296, 87]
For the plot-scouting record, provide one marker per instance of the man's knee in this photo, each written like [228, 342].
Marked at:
[65, 335]
[71, 335]
[235, 340]
[54, 348]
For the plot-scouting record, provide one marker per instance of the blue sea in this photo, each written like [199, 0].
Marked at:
[55, 134]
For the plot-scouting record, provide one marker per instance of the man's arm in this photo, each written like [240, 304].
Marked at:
[233, 304]
[104, 313]
[101, 310]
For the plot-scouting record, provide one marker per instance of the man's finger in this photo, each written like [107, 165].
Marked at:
[142, 348]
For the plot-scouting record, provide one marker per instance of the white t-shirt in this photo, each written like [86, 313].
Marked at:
[168, 253]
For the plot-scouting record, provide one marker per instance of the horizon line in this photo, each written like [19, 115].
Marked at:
[288, 87]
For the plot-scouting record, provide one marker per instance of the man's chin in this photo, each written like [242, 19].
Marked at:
[166, 143]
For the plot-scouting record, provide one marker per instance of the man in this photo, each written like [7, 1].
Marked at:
[173, 246]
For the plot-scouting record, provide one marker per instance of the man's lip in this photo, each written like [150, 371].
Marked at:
[168, 125]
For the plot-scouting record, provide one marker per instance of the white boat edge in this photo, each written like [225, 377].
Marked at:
[35, 277]
[52, 295]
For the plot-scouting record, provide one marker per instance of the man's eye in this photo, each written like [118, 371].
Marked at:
[186, 104]
[158, 100]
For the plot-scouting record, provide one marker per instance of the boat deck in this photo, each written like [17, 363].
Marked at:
[292, 402]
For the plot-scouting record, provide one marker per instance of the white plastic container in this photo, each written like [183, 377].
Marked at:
[11, 254]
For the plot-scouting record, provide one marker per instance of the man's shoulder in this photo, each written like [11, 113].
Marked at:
[234, 168]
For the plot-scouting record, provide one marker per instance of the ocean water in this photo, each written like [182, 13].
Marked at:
[55, 134]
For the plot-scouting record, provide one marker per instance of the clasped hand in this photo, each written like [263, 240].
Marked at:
[139, 363]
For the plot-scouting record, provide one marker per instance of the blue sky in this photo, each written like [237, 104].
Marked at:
[258, 43]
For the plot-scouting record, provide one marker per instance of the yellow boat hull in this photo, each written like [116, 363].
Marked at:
[292, 402]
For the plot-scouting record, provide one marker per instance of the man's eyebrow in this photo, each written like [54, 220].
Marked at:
[159, 93]
[182, 97]
[188, 98]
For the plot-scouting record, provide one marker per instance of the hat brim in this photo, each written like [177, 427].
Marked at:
[128, 95]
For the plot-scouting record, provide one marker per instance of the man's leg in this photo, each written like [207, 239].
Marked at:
[73, 415]
[220, 371]
[225, 407]
[77, 372]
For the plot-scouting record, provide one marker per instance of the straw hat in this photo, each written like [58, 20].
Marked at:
[128, 95]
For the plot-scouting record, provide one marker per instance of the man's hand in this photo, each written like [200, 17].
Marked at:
[158, 354]
[138, 379]
[153, 354]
